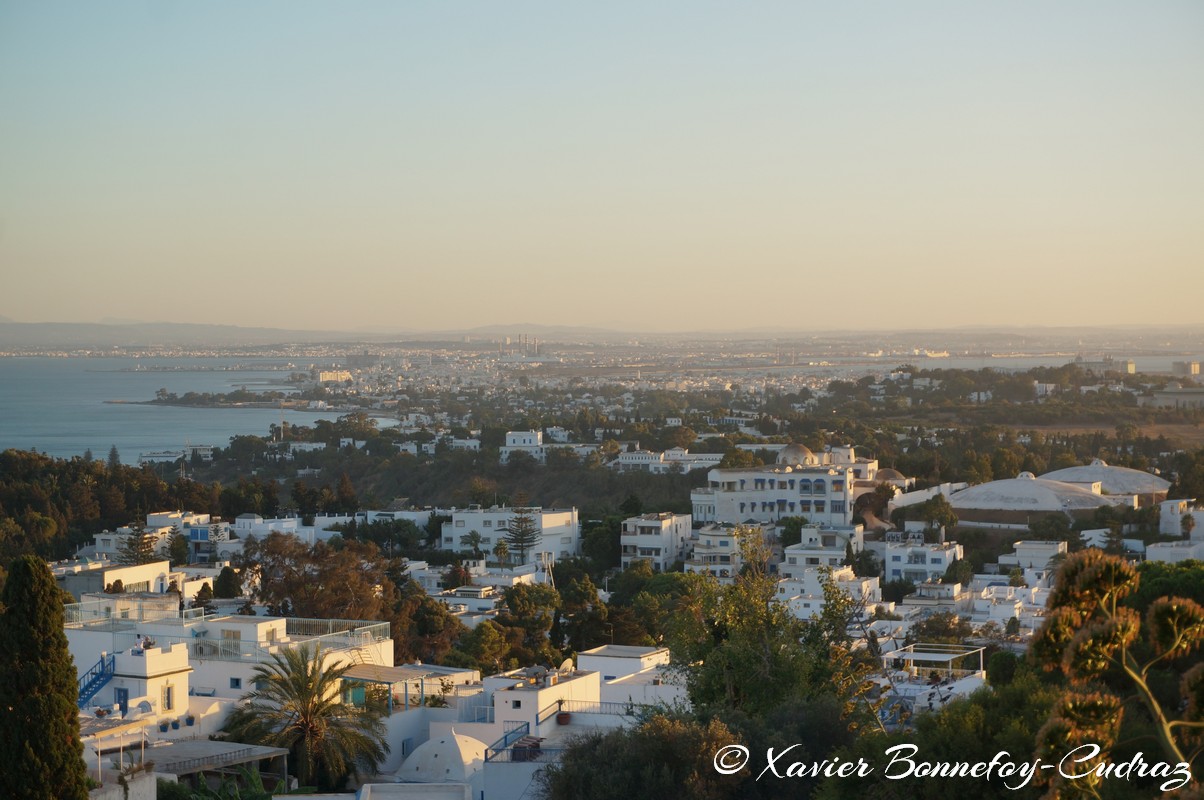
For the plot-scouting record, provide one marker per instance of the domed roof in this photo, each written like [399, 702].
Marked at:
[450, 758]
[797, 454]
[1114, 480]
[1026, 492]
[888, 474]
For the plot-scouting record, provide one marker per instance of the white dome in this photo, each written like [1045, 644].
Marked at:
[1027, 493]
[1114, 480]
[451, 758]
[793, 454]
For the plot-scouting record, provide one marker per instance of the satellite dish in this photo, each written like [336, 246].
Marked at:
[566, 666]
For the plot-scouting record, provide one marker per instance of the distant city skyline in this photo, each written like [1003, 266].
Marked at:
[641, 167]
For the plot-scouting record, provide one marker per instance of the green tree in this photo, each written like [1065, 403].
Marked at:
[114, 459]
[663, 757]
[178, 550]
[228, 584]
[41, 754]
[204, 599]
[960, 571]
[737, 646]
[1092, 637]
[522, 532]
[297, 704]
[943, 627]
[791, 530]
[137, 548]
[633, 506]
[502, 551]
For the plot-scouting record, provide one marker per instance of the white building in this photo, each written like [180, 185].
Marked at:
[822, 495]
[660, 539]
[560, 531]
[1174, 552]
[803, 593]
[178, 673]
[529, 442]
[673, 460]
[908, 557]
[1032, 554]
[821, 547]
[1171, 514]
[717, 549]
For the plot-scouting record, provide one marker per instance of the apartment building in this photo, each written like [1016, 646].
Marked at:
[660, 539]
[560, 531]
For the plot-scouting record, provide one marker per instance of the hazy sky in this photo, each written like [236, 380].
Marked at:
[639, 165]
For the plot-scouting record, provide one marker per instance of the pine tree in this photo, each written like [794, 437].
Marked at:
[114, 458]
[137, 548]
[523, 532]
[41, 755]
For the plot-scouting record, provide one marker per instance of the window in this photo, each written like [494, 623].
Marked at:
[819, 487]
[838, 507]
[896, 558]
[236, 683]
[168, 697]
[938, 560]
[487, 523]
[724, 543]
[517, 704]
[459, 523]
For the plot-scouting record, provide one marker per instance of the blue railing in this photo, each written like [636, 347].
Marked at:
[494, 751]
[94, 679]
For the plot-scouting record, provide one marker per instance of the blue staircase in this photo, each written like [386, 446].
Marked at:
[94, 679]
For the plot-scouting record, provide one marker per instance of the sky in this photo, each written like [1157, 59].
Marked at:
[627, 165]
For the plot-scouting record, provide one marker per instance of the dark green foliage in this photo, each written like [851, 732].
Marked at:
[662, 758]
[204, 599]
[1001, 667]
[228, 584]
[791, 530]
[944, 627]
[41, 755]
[178, 550]
[1005, 718]
[960, 571]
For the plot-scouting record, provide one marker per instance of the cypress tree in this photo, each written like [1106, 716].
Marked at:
[41, 754]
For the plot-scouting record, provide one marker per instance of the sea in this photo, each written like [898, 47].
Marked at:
[64, 406]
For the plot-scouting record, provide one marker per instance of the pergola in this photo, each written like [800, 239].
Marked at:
[412, 680]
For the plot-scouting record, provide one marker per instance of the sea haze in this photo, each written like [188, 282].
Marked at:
[58, 405]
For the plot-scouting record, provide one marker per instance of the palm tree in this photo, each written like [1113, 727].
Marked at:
[297, 704]
[502, 551]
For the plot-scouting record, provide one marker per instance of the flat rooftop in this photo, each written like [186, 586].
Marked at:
[190, 756]
[623, 651]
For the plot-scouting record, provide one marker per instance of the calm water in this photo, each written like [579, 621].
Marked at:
[57, 405]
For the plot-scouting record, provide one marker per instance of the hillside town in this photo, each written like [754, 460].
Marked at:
[484, 638]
